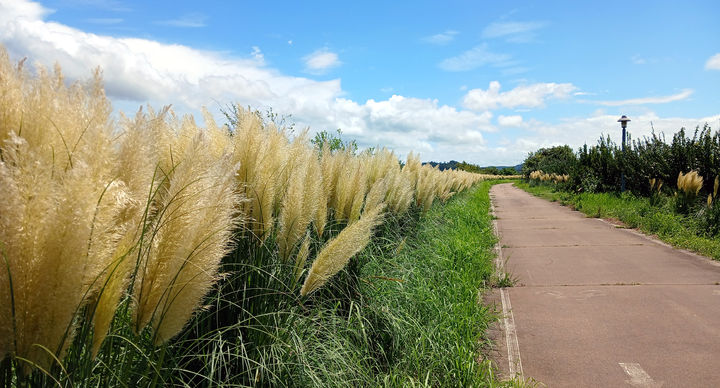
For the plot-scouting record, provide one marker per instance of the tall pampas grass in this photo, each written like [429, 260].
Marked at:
[689, 186]
[412, 169]
[112, 227]
[137, 163]
[690, 183]
[400, 190]
[380, 164]
[321, 215]
[301, 258]
[350, 189]
[332, 164]
[62, 213]
[195, 218]
[338, 251]
[302, 199]
[261, 153]
[426, 190]
[377, 195]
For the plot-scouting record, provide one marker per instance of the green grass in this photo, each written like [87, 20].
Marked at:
[659, 219]
[429, 296]
[404, 313]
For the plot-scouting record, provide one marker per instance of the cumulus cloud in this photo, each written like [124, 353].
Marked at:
[407, 122]
[713, 63]
[441, 38]
[321, 60]
[139, 71]
[650, 100]
[510, 121]
[22, 11]
[474, 58]
[528, 96]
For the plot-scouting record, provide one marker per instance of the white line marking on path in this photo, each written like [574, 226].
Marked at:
[511, 336]
[511, 340]
[638, 376]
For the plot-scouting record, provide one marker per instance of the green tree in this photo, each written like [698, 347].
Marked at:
[508, 171]
[469, 167]
[334, 141]
[559, 160]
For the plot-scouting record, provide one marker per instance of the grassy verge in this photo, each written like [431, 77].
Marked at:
[428, 296]
[404, 312]
[659, 219]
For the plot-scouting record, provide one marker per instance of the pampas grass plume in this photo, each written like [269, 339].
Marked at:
[338, 251]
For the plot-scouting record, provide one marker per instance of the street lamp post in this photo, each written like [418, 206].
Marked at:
[623, 123]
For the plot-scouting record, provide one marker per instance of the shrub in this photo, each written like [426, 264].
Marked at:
[710, 214]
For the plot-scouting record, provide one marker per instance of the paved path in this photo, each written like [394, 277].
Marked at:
[600, 306]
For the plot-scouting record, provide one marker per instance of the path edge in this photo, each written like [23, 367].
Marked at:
[511, 341]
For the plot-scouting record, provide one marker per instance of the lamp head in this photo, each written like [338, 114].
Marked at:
[623, 121]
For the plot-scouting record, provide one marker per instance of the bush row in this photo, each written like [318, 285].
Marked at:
[686, 169]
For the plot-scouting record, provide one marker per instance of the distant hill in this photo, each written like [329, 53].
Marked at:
[496, 170]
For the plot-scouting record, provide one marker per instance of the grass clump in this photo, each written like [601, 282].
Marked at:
[689, 186]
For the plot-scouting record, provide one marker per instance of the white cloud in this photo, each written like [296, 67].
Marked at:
[713, 63]
[139, 71]
[441, 38]
[191, 20]
[477, 56]
[516, 32]
[22, 11]
[529, 96]
[649, 100]
[510, 121]
[321, 60]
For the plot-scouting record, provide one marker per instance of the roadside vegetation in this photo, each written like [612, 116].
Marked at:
[651, 217]
[151, 251]
[429, 293]
[672, 187]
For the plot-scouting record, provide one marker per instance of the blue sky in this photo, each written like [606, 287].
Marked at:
[485, 82]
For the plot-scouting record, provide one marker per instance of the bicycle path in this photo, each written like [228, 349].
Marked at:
[600, 306]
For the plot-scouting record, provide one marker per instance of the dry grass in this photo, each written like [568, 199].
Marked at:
[540, 176]
[690, 183]
[338, 251]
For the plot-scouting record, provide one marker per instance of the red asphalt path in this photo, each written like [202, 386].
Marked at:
[599, 306]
